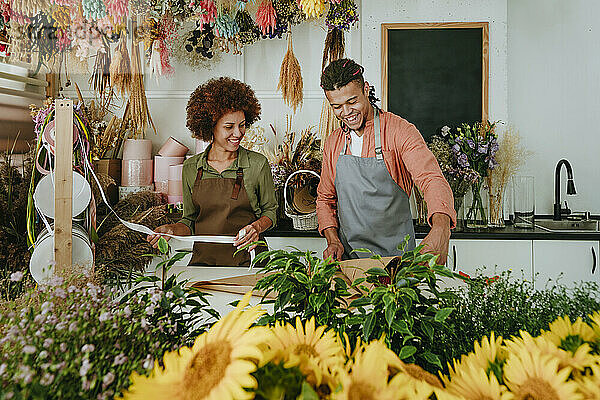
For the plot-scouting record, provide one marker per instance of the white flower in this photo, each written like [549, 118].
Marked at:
[60, 326]
[63, 347]
[43, 354]
[144, 323]
[3, 368]
[127, 311]
[85, 367]
[60, 292]
[445, 130]
[16, 276]
[120, 359]
[88, 348]
[150, 310]
[169, 295]
[155, 298]
[108, 379]
[73, 326]
[105, 316]
[148, 362]
[29, 349]
[48, 342]
[47, 379]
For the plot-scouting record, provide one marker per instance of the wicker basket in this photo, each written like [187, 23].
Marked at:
[301, 222]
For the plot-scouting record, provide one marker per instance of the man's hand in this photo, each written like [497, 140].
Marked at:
[437, 240]
[335, 249]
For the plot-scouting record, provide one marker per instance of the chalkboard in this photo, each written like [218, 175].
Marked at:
[436, 74]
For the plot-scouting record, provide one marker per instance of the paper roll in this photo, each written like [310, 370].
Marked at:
[175, 172]
[162, 187]
[161, 166]
[136, 173]
[125, 191]
[137, 149]
[173, 148]
[175, 188]
[175, 199]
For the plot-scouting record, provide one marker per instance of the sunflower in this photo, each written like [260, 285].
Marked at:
[474, 383]
[577, 360]
[367, 376]
[589, 384]
[532, 375]
[489, 354]
[216, 367]
[315, 351]
[567, 335]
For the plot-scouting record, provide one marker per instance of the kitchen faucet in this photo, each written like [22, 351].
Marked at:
[558, 211]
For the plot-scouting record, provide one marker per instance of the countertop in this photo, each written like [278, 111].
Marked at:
[284, 229]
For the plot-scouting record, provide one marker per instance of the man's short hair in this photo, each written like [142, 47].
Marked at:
[341, 72]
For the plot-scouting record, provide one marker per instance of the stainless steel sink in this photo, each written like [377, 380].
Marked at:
[567, 225]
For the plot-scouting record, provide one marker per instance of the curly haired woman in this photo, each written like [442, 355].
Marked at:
[227, 190]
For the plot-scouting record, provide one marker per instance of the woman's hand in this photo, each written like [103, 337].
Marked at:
[178, 229]
[249, 235]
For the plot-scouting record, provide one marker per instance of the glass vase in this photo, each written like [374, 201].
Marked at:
[496, 209]
[460, 212]
[476, 214]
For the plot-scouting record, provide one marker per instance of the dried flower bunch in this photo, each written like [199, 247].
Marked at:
[290, 78]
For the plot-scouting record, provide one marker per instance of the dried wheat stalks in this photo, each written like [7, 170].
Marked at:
[510, 158]
[120, 68]
[100, 79]
[290, 78]
[333, 50]
[138, 104]
[328, 122]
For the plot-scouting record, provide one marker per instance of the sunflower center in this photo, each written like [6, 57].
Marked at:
[361, 391]
[206, 370]
[420, 374]
[305, 349]
[536, 389]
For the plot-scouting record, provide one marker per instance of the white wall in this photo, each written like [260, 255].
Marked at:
[554, 85]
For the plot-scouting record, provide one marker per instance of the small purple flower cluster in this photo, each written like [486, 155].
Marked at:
[79, 338]
[475, 147]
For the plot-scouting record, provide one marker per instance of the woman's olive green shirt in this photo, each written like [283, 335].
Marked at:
[258, 182]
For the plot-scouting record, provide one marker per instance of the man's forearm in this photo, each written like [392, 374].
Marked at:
[331, 234]
[440, 221]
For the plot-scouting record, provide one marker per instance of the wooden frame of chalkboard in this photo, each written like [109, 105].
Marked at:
[437, 73]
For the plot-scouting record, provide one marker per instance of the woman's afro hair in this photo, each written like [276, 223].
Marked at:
[215, 98]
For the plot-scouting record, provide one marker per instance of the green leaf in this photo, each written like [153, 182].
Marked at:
[432, 359]
[406, 352]
[377, 271]
[390, 311]
[428, 329]
[302, 278]
[363, 301]
[368, 326]
[442, 314]
[163, 246]
[308, 393]
[400, 326]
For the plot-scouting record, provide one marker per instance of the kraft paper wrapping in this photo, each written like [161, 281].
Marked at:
[238, 285]
[136, 173]
[173, 148]
[161, 166]
[137, 149]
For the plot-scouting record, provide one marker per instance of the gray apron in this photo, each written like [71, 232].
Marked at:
[374, 212]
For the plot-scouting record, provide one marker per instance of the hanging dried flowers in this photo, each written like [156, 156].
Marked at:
[226, 27]
[120, 68]
[100, 79]
[42, 34]
[342, 15]
[288, 12]
[247, 34]
[141, 7]
[290, 78]
[93, 9]
[333, 50]
[266, 18]
[206, 11]
[29, 7]
[312, 8]
[196, 54]
[117, 9]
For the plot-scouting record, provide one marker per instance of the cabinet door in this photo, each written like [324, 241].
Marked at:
[316, 244]
[564, 261]
[491, 257]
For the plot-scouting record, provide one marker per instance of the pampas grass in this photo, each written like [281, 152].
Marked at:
[290, 78]
[510, 158]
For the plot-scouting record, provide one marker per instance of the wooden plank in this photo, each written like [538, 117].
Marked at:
[63, 184]
[22, 93]
[24, 79]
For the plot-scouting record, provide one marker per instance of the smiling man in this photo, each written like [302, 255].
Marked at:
[370, 166]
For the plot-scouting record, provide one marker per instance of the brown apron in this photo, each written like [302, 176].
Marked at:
[223, 209]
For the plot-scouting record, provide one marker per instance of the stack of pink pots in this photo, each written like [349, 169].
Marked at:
[136, 167]
[168, 166]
